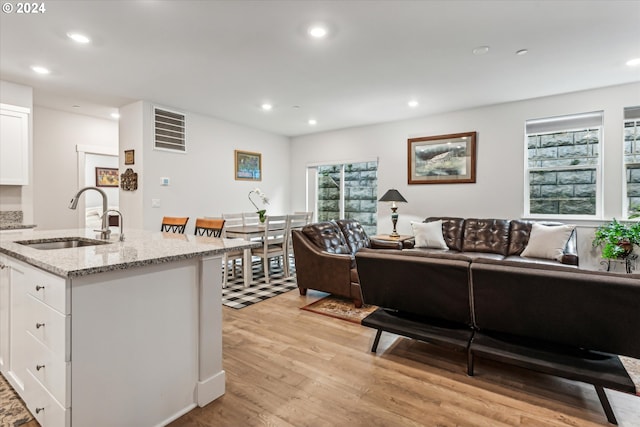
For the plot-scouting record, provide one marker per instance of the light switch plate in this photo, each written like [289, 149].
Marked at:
[155, 203]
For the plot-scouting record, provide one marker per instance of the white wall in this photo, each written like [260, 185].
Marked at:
[56, 178]
[19, 197]
[202, 179]
[499, 187]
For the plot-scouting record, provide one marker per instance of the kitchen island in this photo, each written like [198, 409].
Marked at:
[124, 333]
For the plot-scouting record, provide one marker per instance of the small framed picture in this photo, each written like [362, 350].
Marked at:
[248, 166]
[129, 157]
[107, 177]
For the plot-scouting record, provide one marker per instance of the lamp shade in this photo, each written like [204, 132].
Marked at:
[392, 195]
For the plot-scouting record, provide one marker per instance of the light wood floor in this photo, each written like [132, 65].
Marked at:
[290, 367]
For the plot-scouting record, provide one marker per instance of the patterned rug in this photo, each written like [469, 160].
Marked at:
[340, 308]
[235, 295]
[13, 412]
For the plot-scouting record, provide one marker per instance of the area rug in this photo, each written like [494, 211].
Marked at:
[235, 295]
[13, 412]
[340, 308]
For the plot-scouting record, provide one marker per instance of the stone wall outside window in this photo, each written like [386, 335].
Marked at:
[360, 198]
[632, 165]
[562, 172]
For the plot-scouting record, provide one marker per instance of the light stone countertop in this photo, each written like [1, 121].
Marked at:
[15, 226]
[140, 248]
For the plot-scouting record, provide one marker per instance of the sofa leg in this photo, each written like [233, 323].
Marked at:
[303, 291]
[606, 405]
[469, 363]
[357, 303]
[376, 340]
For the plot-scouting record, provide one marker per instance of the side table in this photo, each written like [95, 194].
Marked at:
[402, 238]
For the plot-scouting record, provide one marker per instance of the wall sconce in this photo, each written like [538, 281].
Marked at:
[393, 196]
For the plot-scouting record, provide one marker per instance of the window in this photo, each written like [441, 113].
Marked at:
[346, 190]
[632, 161]
[563, 166]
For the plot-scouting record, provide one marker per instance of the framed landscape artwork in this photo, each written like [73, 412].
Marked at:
[442, 159]
[248, 166]
[107, 177]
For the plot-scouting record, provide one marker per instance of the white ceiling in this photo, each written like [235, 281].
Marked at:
[225, 58]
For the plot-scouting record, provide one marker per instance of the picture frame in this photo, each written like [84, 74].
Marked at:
[442, 159]
[107, 177]
[129, 157]
[248, 166]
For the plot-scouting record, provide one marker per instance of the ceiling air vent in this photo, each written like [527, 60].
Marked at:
[169, 130]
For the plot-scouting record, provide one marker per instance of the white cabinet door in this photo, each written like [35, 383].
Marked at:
[14, 145]
[4, 315]
[17, 326]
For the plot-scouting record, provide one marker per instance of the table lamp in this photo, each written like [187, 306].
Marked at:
[393, 196]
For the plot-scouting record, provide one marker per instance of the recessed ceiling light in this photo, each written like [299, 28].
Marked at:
[40, 70]
[413, 103]
[115, 115]
[79, 38]
[633, 62]
[267, 107]
[313, 122]
[481, 50]
[522, 52]
[318, 31]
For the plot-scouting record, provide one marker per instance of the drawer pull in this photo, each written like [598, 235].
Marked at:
[38, 410]
[39, 325]
[38, 287]
[38, 367]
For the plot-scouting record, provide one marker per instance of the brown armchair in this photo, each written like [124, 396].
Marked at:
[324, 256]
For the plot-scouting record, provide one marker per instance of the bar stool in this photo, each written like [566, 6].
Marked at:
[174, 224]
[210, 227]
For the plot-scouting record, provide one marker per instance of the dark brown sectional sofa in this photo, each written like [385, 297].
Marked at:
[483, 298]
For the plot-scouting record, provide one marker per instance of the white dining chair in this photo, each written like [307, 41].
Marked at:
[294, 222]
[274, 241]
[231, 220]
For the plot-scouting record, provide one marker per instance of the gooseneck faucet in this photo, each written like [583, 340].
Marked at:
[104, 232]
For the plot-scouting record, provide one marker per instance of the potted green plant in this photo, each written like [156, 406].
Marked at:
[617, 239]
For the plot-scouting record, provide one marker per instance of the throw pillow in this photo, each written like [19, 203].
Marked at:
[548, 241]
[429, 235]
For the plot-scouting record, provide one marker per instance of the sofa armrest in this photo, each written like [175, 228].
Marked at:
[321, 270]
[385, 244]
[569, 259]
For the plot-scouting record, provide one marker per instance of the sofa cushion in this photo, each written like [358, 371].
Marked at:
[354, 234]
[429, 235]
[548, 242]
[327, 236]
[451, 231]
[486, 235]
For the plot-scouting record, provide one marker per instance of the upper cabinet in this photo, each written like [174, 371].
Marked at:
[14, 145]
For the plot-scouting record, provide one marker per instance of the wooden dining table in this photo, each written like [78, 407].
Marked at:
[246, 232]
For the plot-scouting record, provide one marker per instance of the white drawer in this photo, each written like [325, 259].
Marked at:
[50, 327]
[53, 373]
[43, 406]
[50, 289]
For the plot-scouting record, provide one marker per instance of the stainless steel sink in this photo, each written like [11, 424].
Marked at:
[61, 243]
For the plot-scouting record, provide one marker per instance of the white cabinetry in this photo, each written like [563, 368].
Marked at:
[37, 362]
[14, 145]
[4, 314]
